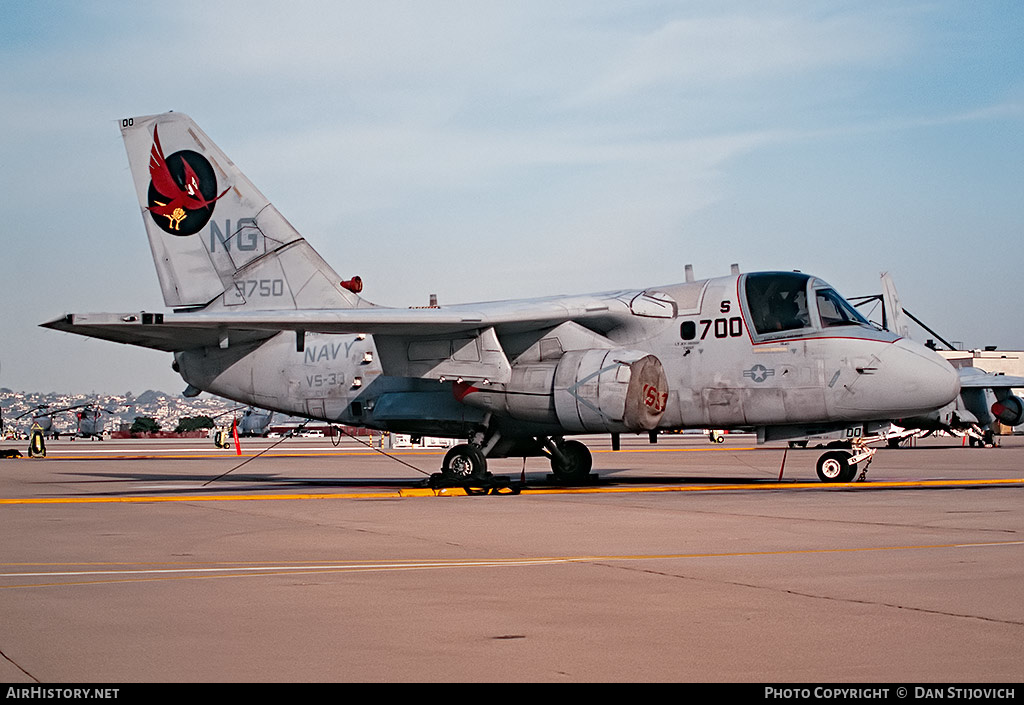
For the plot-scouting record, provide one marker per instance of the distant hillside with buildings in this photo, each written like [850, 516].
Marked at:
[119, 410]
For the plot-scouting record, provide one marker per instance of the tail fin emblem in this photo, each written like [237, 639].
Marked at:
[182, 190]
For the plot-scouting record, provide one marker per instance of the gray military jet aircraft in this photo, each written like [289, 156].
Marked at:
[260, 318]
[984, 397]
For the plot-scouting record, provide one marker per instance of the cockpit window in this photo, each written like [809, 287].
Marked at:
[835, 311]
[777, 301]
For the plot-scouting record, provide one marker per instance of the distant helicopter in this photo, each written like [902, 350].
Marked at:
[42, 417]
[253, 422]
[89, 415]
[90, 421]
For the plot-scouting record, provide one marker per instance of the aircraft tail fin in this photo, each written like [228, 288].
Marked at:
[216, 240]
[895, 318]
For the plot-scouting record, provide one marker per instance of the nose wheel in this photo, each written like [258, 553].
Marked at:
[835, 466]
[841, 465]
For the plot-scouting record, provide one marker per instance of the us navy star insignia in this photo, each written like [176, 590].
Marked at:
[759, 373]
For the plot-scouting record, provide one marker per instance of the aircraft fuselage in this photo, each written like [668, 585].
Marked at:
[721, 370]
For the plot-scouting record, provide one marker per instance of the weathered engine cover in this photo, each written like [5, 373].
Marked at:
[609, 390]
[584, 391]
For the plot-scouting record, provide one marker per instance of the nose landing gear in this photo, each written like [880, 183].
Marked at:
[841, 465]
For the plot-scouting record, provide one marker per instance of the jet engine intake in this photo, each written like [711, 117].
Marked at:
[610, 390]
[1009, 410]
[583, 391]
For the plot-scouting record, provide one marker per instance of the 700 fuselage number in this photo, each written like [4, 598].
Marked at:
[720, 327]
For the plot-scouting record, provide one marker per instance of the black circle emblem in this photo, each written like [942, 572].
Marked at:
[182, 192]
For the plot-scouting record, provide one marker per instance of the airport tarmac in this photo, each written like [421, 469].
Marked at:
[142, 561]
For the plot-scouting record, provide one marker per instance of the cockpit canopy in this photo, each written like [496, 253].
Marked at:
[782, 304]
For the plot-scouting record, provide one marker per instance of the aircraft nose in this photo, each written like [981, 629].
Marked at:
[922, 379]
[905, 379]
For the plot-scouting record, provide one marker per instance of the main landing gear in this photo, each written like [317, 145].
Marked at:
[465, 465]
[465, 462]
[571, 461]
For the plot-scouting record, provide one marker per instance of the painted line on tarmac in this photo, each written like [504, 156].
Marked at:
[207, 454]
[459, 492]
[786, 486]
[114, 574]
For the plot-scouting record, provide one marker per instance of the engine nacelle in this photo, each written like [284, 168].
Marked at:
[583, 391]
[1009, 411]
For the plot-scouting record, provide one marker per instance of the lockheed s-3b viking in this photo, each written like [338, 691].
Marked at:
[258, 317]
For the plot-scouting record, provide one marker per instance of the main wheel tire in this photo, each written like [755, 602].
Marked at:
[577, 464]
[835, 466]
[465, 462]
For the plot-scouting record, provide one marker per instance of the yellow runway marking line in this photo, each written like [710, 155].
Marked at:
[202, 454]
[391, 494]
[459, 492]
[114, 572]
[787, 486]
[210, 455]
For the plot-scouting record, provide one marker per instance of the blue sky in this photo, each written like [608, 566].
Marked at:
[483, 151]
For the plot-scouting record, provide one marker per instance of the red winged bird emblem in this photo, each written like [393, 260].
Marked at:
[182, 189]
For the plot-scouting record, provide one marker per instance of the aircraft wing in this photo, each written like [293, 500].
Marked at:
[972, 378]
[172, 332]
[128, 328]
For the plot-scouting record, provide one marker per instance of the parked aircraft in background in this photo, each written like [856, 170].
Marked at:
[89, 417]
[252, 422]
[984, 397]
[260, 318]
[42, 418]
[90, 421]
[255, 422]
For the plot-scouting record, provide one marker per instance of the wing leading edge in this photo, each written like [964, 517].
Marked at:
[173, 332]
[129, 329]
[973, 378]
